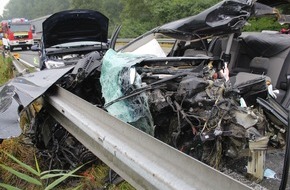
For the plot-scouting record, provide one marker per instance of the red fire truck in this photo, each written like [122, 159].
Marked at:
[17, 32]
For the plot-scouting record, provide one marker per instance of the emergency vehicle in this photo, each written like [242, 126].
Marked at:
[17, 32]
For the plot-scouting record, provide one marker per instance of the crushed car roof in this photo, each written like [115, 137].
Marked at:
[74, 26]
[222, 18]
[273, 2]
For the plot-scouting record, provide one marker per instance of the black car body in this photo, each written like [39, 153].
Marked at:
[211, 94]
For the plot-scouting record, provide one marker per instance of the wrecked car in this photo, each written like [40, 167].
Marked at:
[69, 35]
[213, 94]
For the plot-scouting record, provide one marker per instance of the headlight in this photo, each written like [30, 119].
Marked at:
[132, 75]
[54, 64]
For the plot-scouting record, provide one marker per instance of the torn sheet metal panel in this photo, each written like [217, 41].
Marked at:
[31, 86]
[262, 9]
[224, 17]
[9, 126]
[22, 91]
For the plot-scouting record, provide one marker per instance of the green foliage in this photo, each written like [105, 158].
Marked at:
[264, 23]
[6, 71]
[112, 9]
[31, 9]
[8, 187]
[28, 168]
[37, 177]
[285, 9]
[63, 177]
[139, 16]
[86, 4]
[21, 175]
[136, 16]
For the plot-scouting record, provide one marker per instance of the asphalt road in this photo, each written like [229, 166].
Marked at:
[30, 57]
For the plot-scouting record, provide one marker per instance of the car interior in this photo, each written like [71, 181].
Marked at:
[252, 55]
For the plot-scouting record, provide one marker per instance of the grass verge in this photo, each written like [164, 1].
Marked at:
[6, 71]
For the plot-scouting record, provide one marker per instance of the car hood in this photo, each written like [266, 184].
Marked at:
[73, 26]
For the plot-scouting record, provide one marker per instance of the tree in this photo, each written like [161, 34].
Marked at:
[285, 9]
[264, 23]
[33, 8]
[136, 17]
[86, 4]
[110, 8]
[139, 16]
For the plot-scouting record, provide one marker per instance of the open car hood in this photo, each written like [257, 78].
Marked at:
[74, 26]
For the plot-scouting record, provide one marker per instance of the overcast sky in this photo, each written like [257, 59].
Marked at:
[2, 4]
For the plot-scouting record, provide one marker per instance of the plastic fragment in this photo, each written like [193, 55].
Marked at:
[270, 174]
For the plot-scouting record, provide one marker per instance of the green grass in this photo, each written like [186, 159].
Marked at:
[36, 177]
[92, 178]
[6, 71]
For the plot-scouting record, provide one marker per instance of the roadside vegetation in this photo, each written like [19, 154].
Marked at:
[16, 174]
[6, 71]
[136, 17]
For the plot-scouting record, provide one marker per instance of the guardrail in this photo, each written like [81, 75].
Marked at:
[21, 66]
[142, 160]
